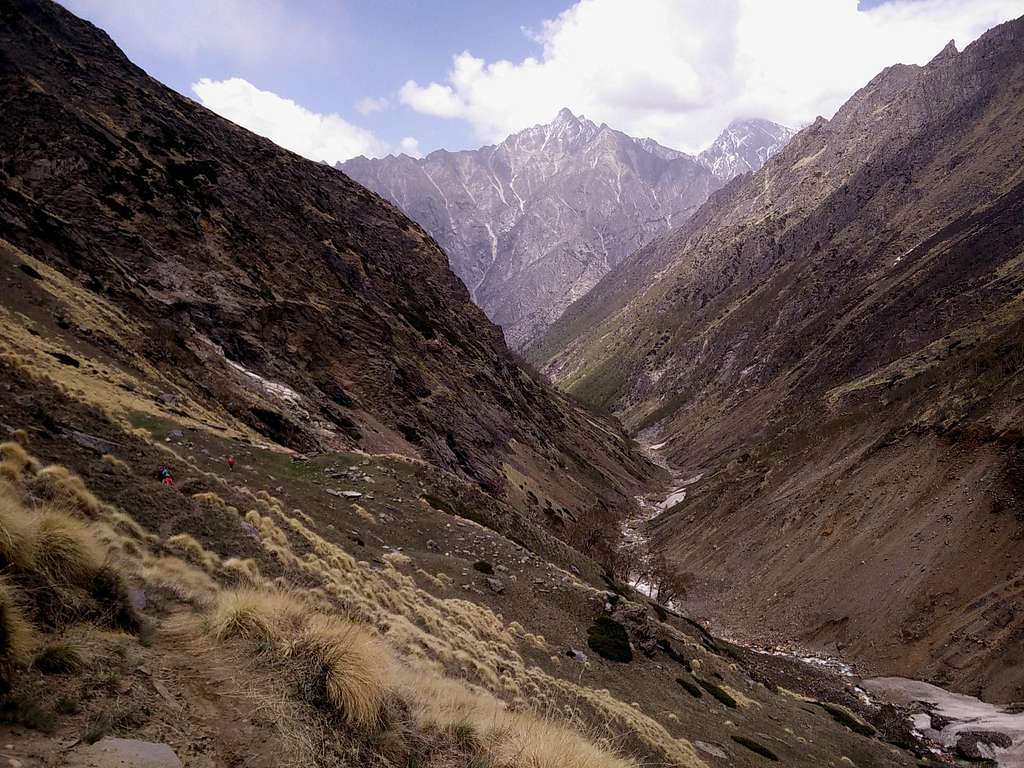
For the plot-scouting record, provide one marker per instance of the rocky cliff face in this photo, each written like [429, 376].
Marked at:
[836, 342]
[264, 290]
[531, 224]
[743, 147]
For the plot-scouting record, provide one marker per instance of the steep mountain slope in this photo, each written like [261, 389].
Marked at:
[268, 292]
[533, 223]
[836, 343]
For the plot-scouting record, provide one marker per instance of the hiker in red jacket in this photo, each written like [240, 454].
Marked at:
[231, 463]
[163, 474]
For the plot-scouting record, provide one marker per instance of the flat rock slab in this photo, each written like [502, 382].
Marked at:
[123, 753]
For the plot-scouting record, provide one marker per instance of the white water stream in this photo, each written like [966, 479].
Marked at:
[955, 713]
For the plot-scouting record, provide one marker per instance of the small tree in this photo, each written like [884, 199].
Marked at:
[667, 582]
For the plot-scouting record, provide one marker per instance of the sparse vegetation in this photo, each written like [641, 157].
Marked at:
[22, 710]
[608, 639]
[58, 660]
[484, 567]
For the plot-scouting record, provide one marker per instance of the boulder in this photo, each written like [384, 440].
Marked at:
[641, 633]
[980, 745]
[496, 585]
[123, 753]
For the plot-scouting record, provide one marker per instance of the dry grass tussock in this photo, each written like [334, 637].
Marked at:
[117, 464]
[49, 542]
[17, 635]
[343, 662]
[61, 486]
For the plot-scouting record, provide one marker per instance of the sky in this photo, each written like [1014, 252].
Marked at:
[332, 79]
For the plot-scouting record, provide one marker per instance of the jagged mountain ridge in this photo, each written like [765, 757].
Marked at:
[532, 223]
[835, 342]
[271, 292]
[744, 146]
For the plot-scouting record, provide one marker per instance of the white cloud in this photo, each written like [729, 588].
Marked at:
[319, 137]
[410, 146]
[679, 70]
[369, 105]
[241, 31]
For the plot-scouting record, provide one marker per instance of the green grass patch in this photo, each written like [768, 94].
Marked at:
[756, 747]
[718, 692]
[609, 640]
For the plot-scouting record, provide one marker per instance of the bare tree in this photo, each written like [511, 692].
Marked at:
[667, 582]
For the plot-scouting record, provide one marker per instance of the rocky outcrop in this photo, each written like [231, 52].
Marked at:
[533, 223]
[835, 342]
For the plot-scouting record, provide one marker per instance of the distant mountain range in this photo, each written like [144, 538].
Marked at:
[532, 224]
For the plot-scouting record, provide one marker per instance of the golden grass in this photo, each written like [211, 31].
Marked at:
[504, 738]
[118, 464]
[17, 635]
[59, 484]
[357, 666]
[256, 614]
[353, 665]
[64, 548]
[16, 458]
[16, 533]
[49, 541]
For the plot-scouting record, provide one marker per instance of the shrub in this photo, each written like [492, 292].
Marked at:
[108, 721]
[58, 660]
[608, 639]
[666, 647]
[20, 710]
[439, 504]
[484, 567]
